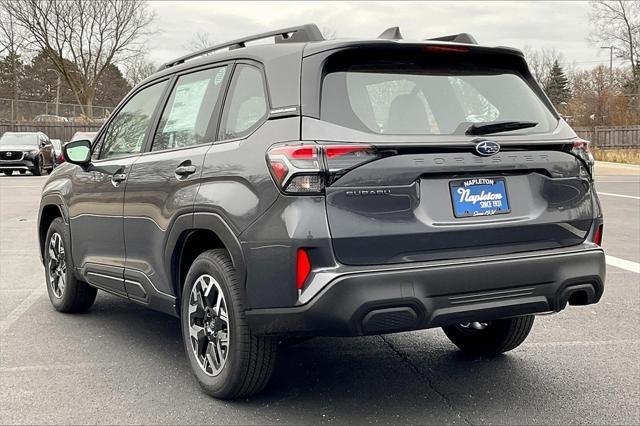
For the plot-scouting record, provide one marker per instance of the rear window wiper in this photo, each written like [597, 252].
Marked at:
[498, 126]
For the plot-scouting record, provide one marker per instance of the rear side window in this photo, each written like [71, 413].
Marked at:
[246, 106]
[126, 132]
[428, 98]
[189, 110]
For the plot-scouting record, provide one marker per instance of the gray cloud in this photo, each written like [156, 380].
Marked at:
[541, 24]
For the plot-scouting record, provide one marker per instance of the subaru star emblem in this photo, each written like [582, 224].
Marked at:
[487, 148]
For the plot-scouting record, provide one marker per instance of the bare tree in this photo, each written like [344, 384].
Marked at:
[201, 40]
[138, 69]
[82, 38]
[13, 40]
[616, 24]
[328, 32]
[541, 62]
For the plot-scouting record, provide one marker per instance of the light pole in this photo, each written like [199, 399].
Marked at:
[57, 88]
[610, 62]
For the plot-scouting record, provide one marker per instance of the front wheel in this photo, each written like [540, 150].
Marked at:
[490, 338]
[38, 168]
[7, 172]
[66, 293]
[227, 359]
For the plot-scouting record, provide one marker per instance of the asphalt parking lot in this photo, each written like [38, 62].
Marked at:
[120, 363]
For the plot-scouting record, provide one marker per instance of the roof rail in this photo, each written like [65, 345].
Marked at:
[301, 33]
[456, 38]
[392, 33]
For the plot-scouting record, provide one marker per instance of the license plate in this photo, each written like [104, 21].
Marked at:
[479, 197]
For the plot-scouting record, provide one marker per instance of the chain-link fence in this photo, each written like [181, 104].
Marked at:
[16, 111]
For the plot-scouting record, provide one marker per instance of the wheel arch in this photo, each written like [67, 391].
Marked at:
[194, 234]
[51, 207]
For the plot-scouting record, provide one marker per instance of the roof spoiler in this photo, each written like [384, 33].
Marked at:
[298, 34]
[393, 33]
[456, 38]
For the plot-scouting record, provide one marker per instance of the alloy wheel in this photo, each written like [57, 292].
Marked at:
[57, 265]
[209, 325]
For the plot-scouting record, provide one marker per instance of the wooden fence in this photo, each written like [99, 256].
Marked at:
[62, 131]
[611, 137]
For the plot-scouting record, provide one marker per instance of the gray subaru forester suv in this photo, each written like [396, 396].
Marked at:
[328, 187]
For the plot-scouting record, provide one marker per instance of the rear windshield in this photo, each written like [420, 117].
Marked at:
[434, 95]
[19, 139]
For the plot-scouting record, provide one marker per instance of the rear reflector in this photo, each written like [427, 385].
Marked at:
[303, 268]
[597, 238]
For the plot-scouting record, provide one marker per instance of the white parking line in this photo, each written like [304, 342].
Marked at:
[623, 264]
[633, 197]
[21, 309]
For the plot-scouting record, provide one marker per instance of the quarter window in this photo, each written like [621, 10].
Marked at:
[247, 105]
[189, 110]
[126, 132]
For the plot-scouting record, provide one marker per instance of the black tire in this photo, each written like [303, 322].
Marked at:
[7, 172]
[37, 170]
[23, 172]
[74, 295]
[497, 337]
[250, 359]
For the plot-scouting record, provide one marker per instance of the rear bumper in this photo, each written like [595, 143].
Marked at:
[438, 294]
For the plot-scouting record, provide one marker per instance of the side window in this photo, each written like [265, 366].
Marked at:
[189, 110]
[126, 131]
[246, 106]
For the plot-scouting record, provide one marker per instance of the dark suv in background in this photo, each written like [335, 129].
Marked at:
[26, 151]
[342, 188]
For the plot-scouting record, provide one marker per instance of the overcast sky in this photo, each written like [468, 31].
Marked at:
[538, 24]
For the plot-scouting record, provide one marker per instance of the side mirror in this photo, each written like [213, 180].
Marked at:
[77, 152]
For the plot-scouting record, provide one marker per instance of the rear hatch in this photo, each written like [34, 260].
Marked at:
[441, 175]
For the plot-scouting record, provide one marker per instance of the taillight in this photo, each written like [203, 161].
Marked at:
[581, 149]
[597, 238]
[341, 158]
[303, 267]
[306, 168]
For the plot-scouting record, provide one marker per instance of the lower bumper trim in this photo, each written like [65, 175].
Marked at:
[391, 301]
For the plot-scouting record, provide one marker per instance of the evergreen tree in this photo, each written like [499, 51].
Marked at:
[11, 76]
[557, 87]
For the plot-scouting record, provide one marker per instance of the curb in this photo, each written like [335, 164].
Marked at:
[620, 165]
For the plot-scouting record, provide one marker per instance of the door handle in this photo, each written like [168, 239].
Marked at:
[119, 177]
[185, 170]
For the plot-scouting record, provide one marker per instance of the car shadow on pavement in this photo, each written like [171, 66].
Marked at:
[406, 377]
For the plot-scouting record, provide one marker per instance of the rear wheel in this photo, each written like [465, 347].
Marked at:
[226, 358]
[66, 293]
[7, 172]
[490, 338]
